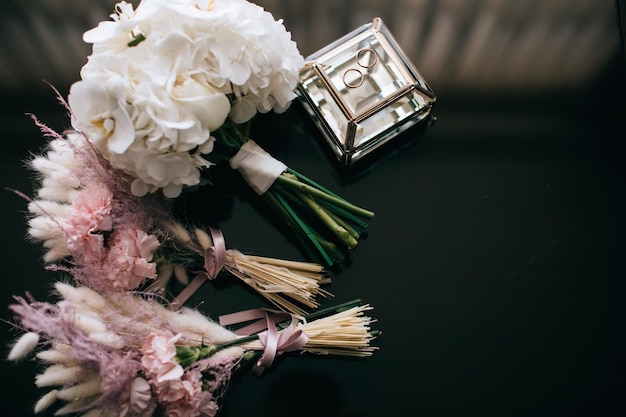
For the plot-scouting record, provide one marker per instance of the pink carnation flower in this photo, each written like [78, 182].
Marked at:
[90, 213]
[159, 357]
[128, 261]
[136, 399]
[190, 400]
[208, 408]
[181, 392]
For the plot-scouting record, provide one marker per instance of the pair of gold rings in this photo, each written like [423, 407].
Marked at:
[365, 58]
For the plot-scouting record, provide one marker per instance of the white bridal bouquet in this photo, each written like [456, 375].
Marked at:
[170, 89]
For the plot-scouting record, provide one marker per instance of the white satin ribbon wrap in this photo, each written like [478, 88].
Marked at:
[257, 167]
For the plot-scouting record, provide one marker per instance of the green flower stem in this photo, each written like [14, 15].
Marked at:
[345, 213]
[232, 134]
[331, 249]
[238, 341]
[322, 312]
[187, 355]
[334, 223]
[305, 234]
[356, 235]
[344, 235]
[288, 181]
[337, 215]
[327, 247]
[312, 183]
[339, 212]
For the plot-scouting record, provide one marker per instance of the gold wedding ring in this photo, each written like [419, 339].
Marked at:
[368, 53]
[365, 58]
[352, 83]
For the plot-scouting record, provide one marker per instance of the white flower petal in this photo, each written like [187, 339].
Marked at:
[242, 111]
[123, 133]
[104, 31]
[172, 190]
[139, 188]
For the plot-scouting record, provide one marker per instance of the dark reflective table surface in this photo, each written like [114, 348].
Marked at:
[495, 263]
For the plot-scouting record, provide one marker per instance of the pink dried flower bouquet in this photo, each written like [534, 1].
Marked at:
[124, 355]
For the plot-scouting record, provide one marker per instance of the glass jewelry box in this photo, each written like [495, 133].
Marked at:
[362, 91]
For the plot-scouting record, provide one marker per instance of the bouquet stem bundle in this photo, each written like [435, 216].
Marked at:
[343, 330]
[289, 285]
[326, 225]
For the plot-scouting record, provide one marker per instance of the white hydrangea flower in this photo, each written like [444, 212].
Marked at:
[163, 77]
[124, 27]
[169, 171]
[99, 110]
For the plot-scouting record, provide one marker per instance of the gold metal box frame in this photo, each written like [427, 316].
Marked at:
[362, 91]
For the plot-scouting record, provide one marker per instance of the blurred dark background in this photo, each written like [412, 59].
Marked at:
[496, 261]
[481, 46]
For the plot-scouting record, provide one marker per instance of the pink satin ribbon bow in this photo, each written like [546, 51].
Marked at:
[215, 256]
[274, 342]
[214, 260]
